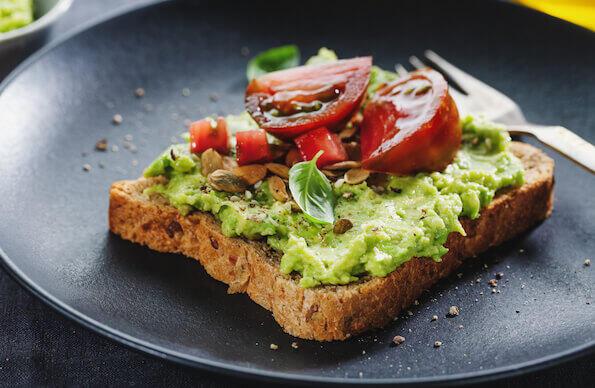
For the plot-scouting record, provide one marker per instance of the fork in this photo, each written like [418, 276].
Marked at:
[481, 99]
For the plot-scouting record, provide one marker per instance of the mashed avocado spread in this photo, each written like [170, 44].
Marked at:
[411, 217]
[15, 14]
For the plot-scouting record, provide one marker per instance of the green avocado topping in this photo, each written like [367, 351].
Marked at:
[410, 217]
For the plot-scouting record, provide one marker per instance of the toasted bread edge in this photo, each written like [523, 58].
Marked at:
[329, 312]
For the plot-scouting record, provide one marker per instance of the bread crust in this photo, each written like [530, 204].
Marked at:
[326, 313]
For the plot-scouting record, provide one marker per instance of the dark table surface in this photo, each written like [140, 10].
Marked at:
[40, 347]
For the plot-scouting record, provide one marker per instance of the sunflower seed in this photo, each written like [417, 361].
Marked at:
[278, 188]
[224, 180]
[229, 163]
[211, 161]
[101, 145]
[278, 169]
[251, 173]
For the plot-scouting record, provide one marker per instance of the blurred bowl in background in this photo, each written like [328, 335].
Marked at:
[16, 44]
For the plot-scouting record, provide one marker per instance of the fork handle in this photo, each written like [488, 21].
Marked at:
[562, 140]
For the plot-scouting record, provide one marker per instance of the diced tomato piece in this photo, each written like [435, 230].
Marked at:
[252, 147]
[291, 102]
[321, 139]
[209, 133]
[411, 125]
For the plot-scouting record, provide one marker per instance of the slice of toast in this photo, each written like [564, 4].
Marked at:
[326, 313]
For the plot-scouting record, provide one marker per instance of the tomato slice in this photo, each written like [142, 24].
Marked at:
[321, 139]
[411, 125]
[209, 133]
[252, 147]
[290, 102]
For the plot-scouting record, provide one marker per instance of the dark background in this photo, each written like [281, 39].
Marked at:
[40, 347]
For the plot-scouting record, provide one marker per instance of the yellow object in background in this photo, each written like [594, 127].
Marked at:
[581, 12]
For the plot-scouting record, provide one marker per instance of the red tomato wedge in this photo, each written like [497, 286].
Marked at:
[290, 102]
[252, 147]
[411, 125]
[321, 139]
[209, 133]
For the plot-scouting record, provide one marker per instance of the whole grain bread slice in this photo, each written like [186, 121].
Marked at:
[327, 312]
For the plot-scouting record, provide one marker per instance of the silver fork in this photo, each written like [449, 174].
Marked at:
[482, 99]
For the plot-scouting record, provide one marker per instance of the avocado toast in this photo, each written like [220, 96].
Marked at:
[356, 238]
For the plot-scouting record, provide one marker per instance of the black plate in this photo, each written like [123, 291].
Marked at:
[54, 235]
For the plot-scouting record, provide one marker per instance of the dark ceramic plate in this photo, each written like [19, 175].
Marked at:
[54, 235]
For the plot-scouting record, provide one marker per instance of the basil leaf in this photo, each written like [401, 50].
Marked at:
[312, 191]
[277, 58]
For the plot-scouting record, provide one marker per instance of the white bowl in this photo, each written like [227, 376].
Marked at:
[31, 36]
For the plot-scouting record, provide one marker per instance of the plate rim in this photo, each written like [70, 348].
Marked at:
[163, 353]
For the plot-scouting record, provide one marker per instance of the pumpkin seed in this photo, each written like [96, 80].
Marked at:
[346, 165]
[251, 173]
[278, 188]
[278, 169]
[342, 225]
[227, 181]
[356, 175]
[229, 163]
[210, 161]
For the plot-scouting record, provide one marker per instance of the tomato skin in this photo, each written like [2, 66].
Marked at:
[252, 147]
[321, 139]
[308, 97]
[404, 133]
[208, 133]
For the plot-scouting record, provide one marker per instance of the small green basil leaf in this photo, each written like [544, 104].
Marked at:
[312, 191]
[277, 58]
